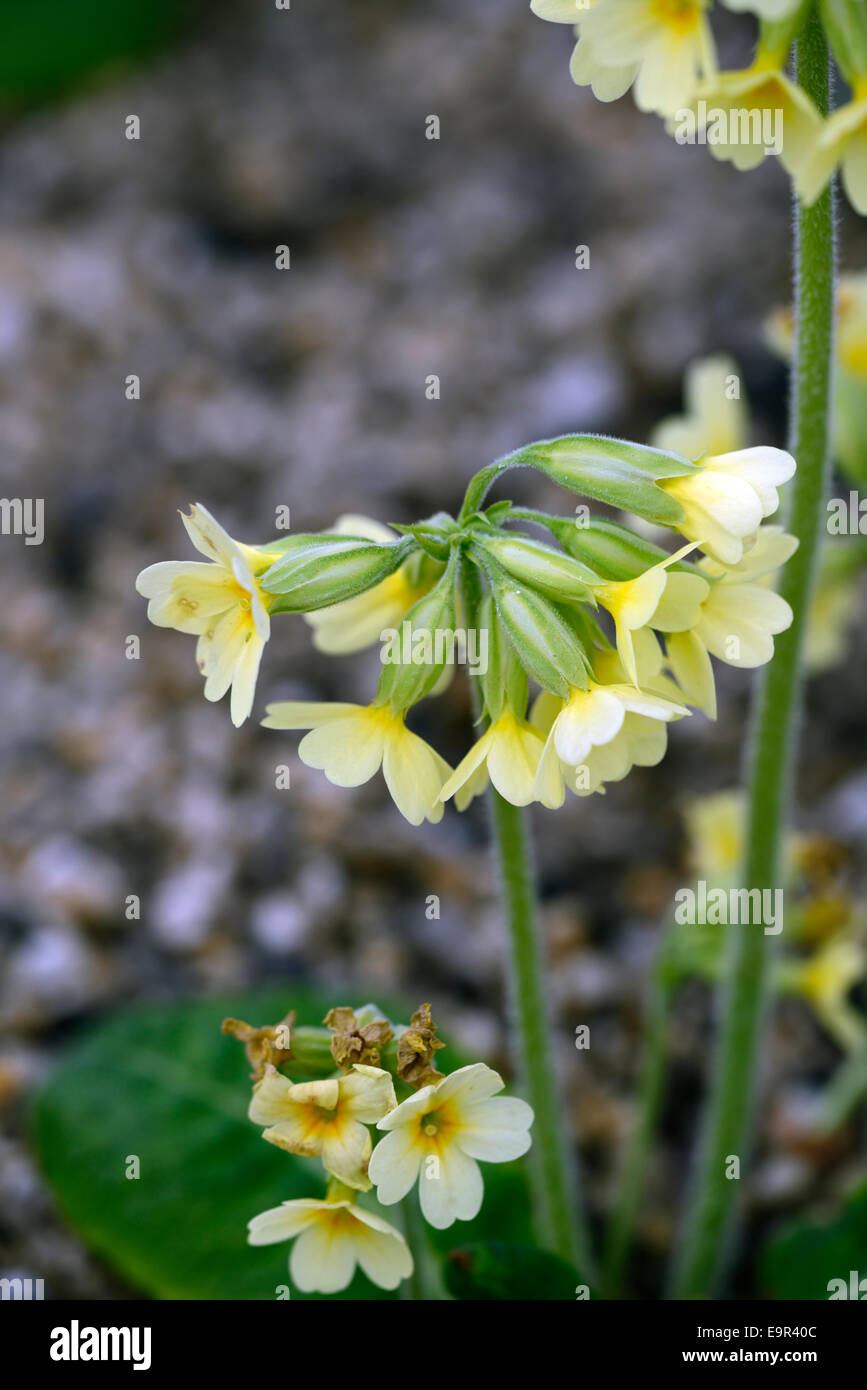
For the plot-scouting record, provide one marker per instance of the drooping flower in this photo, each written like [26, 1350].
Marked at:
[737, 620]
[749, 114]
[842, 140]
[727, 499]
[589, 735]
[357, 622]
[633, 602]
[668, 41]
[349, 743]
[222, 603]
[607, 83]
[332, 1238]
[326, 1118]
[438, 1135]
[508, 754]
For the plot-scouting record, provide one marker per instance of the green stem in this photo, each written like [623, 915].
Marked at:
[651, 1085]
[711, 1220]
[559, 1221]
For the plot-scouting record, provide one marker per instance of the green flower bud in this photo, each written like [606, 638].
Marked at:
[614, 551]
[326, 569]
[613, 471]
[416, 654]
[544, 643]
[539, 565]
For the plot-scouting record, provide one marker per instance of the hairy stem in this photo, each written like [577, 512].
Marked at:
[711, 1218]
[559, 1221]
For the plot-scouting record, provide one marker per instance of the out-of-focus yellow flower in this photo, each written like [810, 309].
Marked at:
[850, 403]
[715, 419]
[825, 979]
[715, 828]
[325, 1118]
[222, 603]
[333, 1238]
[833, 609]
[750, 114]
[508, 754]
[438, 1135]
[726, 501]
[358, 622]
[842, 140]
[349, 743]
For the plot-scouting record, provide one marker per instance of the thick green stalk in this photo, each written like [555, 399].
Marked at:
[710, 1225]
[560, 1224]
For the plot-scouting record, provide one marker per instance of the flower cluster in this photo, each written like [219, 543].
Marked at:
[615, 632]
[664, 50]
[434, 1136]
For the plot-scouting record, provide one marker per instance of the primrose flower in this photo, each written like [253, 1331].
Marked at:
[349, 743]
[333, 1238]
[668, 41]
[607, 83]
[437, 1136]
[508, 753]
[222, 603]
[357, 622]
[593, 720]
[737, 621]
[633, 602]
[727, 499]
[325, 1118]
[843, 141]
[749, 114]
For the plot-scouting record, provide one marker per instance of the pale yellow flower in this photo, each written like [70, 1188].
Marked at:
[334, 1237]
[221, 602]
[349, 743]
[508, 754]
[668, 41]
[726, 500]
[737, 620]
[633, 602]
[326, 1119]
[750, 114]
[607, 83]
[357, 622]
[598, 734]
[842, 140]
[715, 826]
[438, 1134]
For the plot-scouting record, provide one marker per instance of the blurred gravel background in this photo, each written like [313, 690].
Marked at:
[307, 388]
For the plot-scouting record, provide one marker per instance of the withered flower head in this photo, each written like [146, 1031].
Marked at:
[354, 1043]
[415, 1050]
[265, 1046]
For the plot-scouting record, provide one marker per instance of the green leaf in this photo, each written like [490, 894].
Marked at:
[46, 47]
[802, 1262]
[163, 1084]
[495, 1270]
